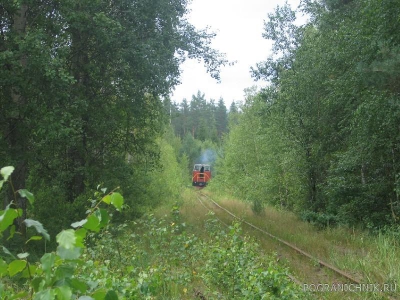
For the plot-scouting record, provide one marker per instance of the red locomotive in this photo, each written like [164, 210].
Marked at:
[201, 175]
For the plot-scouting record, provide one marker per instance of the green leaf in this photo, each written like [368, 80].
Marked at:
[63, 292]
[66, 239]
[38, 226]
[70, 253]
[117, 200]
[100, 294]
[37, 283]
[63, 272]
[92, 223]
[102, 215]
[79, 224]
[87, 298]
[12, 232]
[20, 295]
[106, 199]
[78, 285]
[47, 261]
[16, 266]
[34, 238]
[111, 295]
[80, 235]
[29, 271]
[6, 172]
[23, 255]
[1, 184]
[6, 251]
[47, 294]
[3, 267]
[26, 194]
[7, 218]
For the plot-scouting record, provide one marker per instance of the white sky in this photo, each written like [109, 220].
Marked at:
[239, 25]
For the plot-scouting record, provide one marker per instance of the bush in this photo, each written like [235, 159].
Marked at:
[57, 274]
[318, 219]
[158, 259]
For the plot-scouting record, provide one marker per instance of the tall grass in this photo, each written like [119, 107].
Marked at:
[372, 258]
[183, 252]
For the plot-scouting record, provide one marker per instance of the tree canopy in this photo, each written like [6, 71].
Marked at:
[81, 88]
[328, 124]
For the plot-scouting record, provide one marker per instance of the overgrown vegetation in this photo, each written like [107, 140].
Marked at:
[84, 89]
[202, 119]
[54, 275]
[81, 90]
[165, 261]
[323, 138]
[148, 258]
[368, 256]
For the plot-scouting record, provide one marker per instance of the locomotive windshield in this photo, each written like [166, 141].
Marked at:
[200, 167]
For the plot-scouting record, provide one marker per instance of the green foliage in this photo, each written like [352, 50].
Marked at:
[38, 227]
[201, 126]
[257, 206]
[157, 259]
[6, 172]
[168, 178]
[57, 275]
[324, 136]
[321, 220]
[192, 149]
[204, 120]
[235, 267]
[258, 164]
[163, 260]
[8, 216]
[81, 85]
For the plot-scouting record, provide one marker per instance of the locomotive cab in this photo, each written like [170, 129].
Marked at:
[201, 174]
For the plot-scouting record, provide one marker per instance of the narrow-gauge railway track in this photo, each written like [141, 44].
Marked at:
[291, 246]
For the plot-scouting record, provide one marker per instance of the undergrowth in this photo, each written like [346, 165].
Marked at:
[152, 258]
[372, 257]
[165, 262]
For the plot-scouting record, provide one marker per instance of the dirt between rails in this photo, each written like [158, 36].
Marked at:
[321, 282]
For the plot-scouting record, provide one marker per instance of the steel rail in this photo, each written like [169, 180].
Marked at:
[288, 244]
[302, 252]
[209, 210]
[291, 277]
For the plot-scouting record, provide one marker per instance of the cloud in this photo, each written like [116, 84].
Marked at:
[239, 26]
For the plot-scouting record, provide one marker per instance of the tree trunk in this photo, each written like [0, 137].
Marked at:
[16, 141]
[363, 174]
[77, 152]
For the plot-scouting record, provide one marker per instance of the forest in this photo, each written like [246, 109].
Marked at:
[327, 138]
[81, 95]
[86, 119]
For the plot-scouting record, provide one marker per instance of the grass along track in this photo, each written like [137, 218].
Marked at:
[306, 267]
